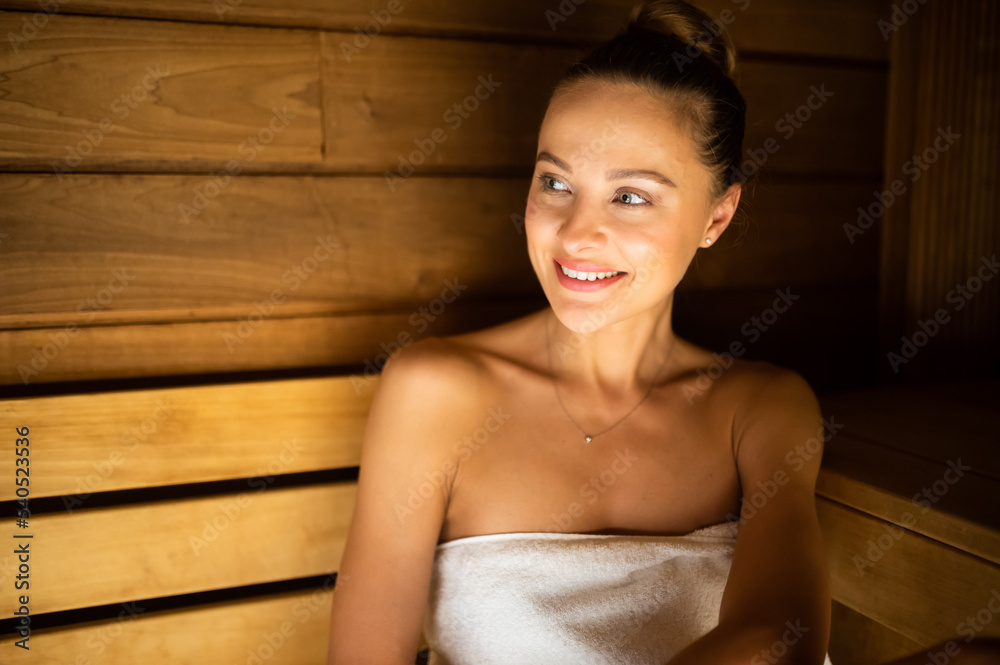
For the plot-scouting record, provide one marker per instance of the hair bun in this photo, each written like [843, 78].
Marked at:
[690, 25]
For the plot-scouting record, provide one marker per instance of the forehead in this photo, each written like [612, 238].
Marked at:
[597, 125]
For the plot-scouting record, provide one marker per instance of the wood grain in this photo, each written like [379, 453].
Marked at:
[285, 629]
[218, 92]
[100, 556]
[937, 421]
[856, 639]
[294, 245]
[43, 355]
[901, 488]
[282, 629]
[67, 239]
[90, 93]
[940, 238]
[771, 26]
[99, 442]
[915, 586]
[387, 103]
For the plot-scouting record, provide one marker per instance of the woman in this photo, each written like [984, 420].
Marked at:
[597, 392]
[489, 455]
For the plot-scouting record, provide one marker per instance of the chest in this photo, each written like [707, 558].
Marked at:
[667, 468]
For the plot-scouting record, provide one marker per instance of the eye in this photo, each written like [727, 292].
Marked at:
[630, 199]
[551, 184]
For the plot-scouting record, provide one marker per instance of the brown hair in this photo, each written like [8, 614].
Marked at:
[676, 51]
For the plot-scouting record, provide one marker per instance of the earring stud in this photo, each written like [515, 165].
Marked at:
[708, 241]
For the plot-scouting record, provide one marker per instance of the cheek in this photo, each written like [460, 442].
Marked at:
[659, 259]
[539, 221]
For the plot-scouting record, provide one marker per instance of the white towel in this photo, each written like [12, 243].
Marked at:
[553, 598]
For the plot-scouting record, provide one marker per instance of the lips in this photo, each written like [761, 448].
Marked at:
[585, 277]
[581, 266]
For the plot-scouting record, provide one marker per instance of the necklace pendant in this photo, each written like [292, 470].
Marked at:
[588, 438]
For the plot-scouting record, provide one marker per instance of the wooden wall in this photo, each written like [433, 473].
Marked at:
[940, 300]
[208, 245]
[168, 166]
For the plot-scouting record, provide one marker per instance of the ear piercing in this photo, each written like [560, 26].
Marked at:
[708, 241]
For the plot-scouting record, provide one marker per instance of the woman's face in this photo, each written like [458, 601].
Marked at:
[618, 191]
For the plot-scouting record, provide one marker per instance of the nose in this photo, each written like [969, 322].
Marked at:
[582, 228]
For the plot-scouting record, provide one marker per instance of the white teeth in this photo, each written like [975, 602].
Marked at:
[587, 276]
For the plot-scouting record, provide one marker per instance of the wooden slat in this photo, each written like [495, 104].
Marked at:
[101, 556]
[942, 235]
[772, 26]
[99, 442]
[918, 587]
[326, 244]
[392, 95]
[247, 242]
[198, 93]
[128, 351]
[790, 232]
[854, 638]
[400, 94]
[926, 423]
[285, 629]
[368, 128]
[884, 483]
[838, 348]
[712, 318]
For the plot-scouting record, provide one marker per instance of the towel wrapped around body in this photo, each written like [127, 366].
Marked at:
[587, 599]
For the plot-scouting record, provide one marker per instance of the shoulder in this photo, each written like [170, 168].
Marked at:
[433, 371]
[759, 384]
[474, 360]
[775, 412]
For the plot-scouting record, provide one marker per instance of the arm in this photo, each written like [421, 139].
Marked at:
[776, 607]
[384, 576]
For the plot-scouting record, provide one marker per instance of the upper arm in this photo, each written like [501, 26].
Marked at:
[403, 484]
[779, 572]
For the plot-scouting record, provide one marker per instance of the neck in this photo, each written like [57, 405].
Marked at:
[618, 358]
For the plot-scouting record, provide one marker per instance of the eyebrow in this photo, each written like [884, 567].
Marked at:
[613, 174]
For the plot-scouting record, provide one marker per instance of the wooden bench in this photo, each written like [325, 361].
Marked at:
[259, 520]
[123, 575]
[909, 501]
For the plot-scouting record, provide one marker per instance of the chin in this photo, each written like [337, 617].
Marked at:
[585, 317]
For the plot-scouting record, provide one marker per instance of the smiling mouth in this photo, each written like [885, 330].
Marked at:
[587, 276]
[586, 281]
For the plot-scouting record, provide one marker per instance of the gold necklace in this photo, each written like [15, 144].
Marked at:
[590, 437]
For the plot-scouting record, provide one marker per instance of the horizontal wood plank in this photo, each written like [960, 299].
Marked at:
[929, 498]
[100, 249]
[92, 249]
[790, 231]
[89, 92]
[43, 355]
[854, 638]
[771, 26]
[947, 421]
[99, 442]
[418, 105]
[409, 104]
[222, 99]
[915, 586]
[100, 556]
[716, 319]
[285, 629]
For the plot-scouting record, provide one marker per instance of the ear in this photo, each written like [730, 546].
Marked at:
[723, 210]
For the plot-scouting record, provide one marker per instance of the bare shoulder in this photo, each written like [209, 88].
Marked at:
[776, 416]
[432, 377]
[754, 384]
[473, 360]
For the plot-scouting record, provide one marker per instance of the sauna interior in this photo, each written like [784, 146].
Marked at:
[219, 217]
